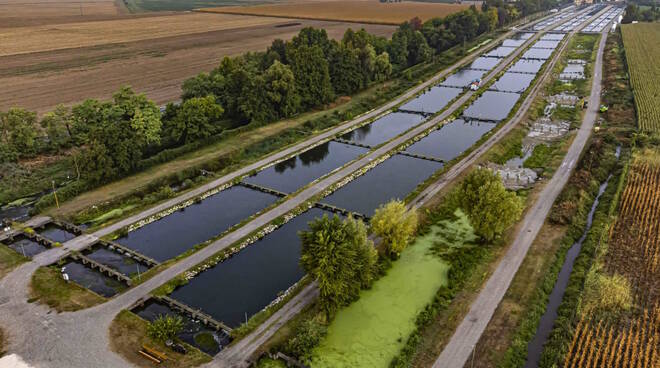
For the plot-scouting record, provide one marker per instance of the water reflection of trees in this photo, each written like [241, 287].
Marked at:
[358, 134]
[312, 156]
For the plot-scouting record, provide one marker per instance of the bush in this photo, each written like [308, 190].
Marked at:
[308, 334]
[165, 327]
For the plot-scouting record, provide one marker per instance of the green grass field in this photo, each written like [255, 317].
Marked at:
[371, 331]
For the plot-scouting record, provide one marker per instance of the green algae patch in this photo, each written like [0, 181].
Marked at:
[372, 331]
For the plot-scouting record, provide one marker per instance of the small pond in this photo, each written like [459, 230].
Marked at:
[118, 262]
[383, 129]
[25, 246]
[546, 44]
[249, 281]
[294, 173]
[527, 66]
[451, 140]
[513, 82]
[193, 331]
[174, 234]
[56, 233]
[492, 105]
[433, 100]
[484, 63]
[93, 279]
[541, 54]
[501, 51]
[394, 178]
[462, 78]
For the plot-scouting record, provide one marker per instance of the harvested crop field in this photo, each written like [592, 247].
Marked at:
[15, 13]
[644, 72]
[153, 63]
[348, 11]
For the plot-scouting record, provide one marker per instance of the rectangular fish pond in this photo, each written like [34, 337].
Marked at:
[451, 140]
[194, 332]
[484, 63]
[513, 43]
[501, 52]
[527, 66]
[244, 284]
[292, 174]
[56, 233]
[462, 78]
[513, 82]
[383, 129]
[176, 233]
[552, 37]
[25, 246]
[432, 100]
[540, 54]
[546, 44]
[492, 106]
[394, 178]
[118, 262]
[93, 279]
[523, 36]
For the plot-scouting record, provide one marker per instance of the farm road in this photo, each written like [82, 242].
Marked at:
[468, 333]
[80, 339]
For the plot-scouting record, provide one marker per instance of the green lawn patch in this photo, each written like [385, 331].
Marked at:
[48, 287]
[372, 331]
[9, 259]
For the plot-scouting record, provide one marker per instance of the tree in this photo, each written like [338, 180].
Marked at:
[398, 49]
[19, 131]
[57, 125]
[344, 68]
[280, 85]
[196, 118]
[335, 254]
[310, 69]
[489, 206]
[383, 68]
[395, 225]
[165, 327]
[308, 334]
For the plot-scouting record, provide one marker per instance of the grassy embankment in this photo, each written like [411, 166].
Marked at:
[128, 333]
[9, 259]
[48, 287]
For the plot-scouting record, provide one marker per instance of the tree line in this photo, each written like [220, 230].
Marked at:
[108, 139]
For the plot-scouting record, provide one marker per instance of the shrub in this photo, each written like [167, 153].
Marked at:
[165, 328]
[308, 334]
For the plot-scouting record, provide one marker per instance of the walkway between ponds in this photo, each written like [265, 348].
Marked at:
[80, 339]
[458, 349]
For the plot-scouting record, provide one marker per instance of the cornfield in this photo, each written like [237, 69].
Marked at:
[642, 58]
[631, 339]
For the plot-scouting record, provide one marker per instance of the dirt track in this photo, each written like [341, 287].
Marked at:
[40, 80]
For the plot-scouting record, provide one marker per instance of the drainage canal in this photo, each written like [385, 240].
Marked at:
[535, 347]
[394, 178]
[176, 233]
[250, 280]
[294, 173]
[25, 246]
[383, 129]
[451, 139]
[194, 332]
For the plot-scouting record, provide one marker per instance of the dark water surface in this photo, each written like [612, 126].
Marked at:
[174, 234]
[501, 51]
[294, 173]
[484, 63]
[513, 82]
[25, 246]
[93, 280]
[433, 100]
[492, 105]
[394, 178]
[541, 54]
[546, 44]
[527, 66]
[451, 140]
[119, 262]
[462, 78]
[513, 42]
[152, 309]
[383, 129]
[250, 280]
[56, 233]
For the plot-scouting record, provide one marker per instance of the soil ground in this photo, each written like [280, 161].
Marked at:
[350, 11]
[155, 65]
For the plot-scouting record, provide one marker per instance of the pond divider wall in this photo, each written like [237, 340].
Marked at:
[88, 262]
[429, 158]
[342, 211]
[118, 248]
[346, 141]
[424, 114]
[193, 313]
[263, 189]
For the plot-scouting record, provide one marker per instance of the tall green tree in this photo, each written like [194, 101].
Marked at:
[395, 225]
[281, 91]
[57, 125]
[195, 119]
[312, 75]
[19, 131]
